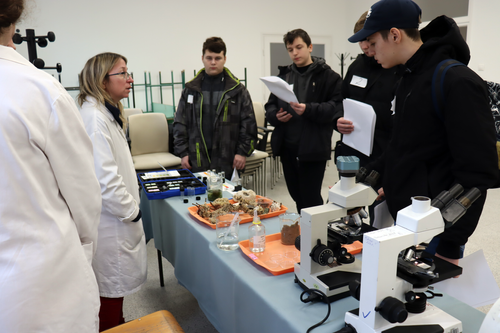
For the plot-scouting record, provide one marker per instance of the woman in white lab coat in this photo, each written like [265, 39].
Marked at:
[120, 262]
[50, 199]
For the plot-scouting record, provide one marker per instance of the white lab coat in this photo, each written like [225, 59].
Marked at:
[120, 263]
[49, 205]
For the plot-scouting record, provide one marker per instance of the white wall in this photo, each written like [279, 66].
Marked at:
[167, 35]
[483, 38]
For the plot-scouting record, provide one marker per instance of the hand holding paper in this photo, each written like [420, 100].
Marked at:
[363, 118]
[280, 88]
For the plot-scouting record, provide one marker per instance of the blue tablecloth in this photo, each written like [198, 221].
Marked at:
[239, 296]
[147, 223]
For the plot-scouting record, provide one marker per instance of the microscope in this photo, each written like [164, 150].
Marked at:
[389, 302]
[324, 265]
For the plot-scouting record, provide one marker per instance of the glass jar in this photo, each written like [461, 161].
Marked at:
[227, 232]
[290, 228]
[214, 187]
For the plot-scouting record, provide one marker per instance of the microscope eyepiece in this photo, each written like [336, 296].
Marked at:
[445, 197]
[361, 174]
[468, 198]
[372, 178]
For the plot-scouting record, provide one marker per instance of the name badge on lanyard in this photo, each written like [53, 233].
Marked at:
[359, 81]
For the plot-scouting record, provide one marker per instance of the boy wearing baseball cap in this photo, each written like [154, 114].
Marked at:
[428, 152]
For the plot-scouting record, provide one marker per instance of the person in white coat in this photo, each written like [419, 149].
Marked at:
[120, 262]
[50, 199]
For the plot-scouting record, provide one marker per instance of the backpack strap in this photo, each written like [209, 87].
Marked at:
[437, 86]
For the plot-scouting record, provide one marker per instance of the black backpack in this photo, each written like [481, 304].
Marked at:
[439, 100]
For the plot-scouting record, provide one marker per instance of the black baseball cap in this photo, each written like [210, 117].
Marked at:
[387, 14]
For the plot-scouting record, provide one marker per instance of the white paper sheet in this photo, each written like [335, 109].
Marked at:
[280, 88]
[363, 118]
[476, 286]
[383, 218]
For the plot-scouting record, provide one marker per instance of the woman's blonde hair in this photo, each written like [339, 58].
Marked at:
[93, 77]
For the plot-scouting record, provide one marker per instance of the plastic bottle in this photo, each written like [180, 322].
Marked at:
[256, 235]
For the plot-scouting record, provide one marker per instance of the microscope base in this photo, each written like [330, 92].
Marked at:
[337, 282]
[432, 320]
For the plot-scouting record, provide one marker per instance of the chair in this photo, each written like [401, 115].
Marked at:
[262, 130]
[126, 114]
[149, 142]
[160, 321]
[264, 143]
[275, 166]
[129, 112]
[255, 166]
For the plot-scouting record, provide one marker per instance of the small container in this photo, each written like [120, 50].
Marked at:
[256, 235]
[290, 228]
[214, 187]
[190, 191]
[265, 203]
[222, 174]
[181, 193]
[227, 232]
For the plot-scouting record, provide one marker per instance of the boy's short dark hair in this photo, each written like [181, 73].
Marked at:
[290, 36]
[215, 45]
[361, 22]
[412, 33]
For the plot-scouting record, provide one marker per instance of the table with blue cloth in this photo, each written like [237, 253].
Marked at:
[236, 294]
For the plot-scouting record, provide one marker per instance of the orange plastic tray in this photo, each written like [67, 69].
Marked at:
[277, 258]
[280, 259]
[245, 218]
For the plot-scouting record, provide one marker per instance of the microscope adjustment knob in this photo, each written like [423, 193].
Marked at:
[410, 297]
[355, 289]
[346, 258]
[322, 254]
[326, 258]
[392, 310]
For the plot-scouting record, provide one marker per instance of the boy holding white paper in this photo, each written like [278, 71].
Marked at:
[428, 153]
[303, 131]
[368, 82]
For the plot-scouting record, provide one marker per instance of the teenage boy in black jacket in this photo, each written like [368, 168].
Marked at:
[427, 154]
[303, 131]
[368, 82]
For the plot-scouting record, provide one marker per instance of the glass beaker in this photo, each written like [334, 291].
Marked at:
[214, 187]
[227, 232]
[290, 228]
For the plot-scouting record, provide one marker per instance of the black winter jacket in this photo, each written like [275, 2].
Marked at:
[379, 93]
[323, 101]
[235, 128]
[428, 155]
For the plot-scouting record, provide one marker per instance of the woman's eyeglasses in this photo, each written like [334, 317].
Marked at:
[124, 75]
